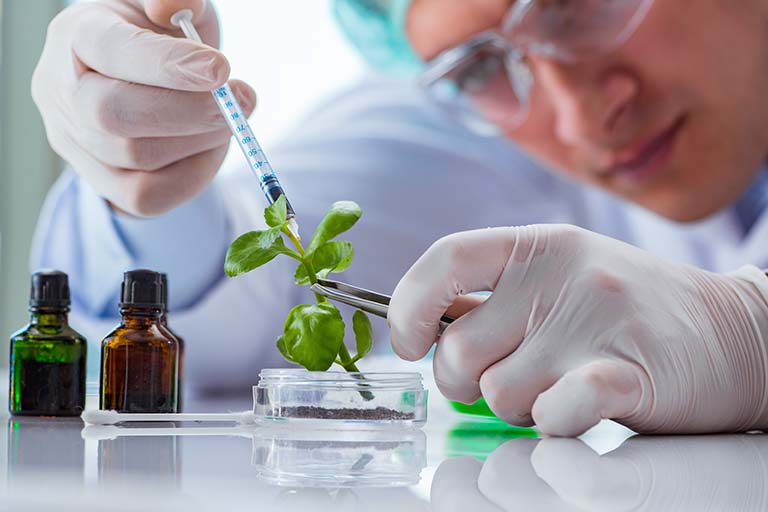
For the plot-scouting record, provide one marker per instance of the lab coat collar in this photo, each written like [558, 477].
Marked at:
[720, 242]
[752, 204]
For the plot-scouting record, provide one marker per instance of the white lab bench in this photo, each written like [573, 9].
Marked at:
[456, 462]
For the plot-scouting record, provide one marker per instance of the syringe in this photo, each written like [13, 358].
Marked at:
[238, 125]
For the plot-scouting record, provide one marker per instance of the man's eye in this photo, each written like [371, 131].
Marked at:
[477, 73]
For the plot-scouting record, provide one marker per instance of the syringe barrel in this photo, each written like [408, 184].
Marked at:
[257, 160]
[238, 125]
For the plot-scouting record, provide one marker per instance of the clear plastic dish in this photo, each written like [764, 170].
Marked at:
[340, 399]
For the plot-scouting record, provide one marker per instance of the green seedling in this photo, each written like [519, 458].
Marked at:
[313, 335]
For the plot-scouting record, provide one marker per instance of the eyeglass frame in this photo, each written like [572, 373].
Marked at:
[519, 73]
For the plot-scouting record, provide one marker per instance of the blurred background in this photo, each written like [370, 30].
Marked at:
[279, 55]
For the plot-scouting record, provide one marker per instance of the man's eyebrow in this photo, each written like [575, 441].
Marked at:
[486, 12]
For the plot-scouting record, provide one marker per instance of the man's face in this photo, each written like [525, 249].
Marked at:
[675, 119]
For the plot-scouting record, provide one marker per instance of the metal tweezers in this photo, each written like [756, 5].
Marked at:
[360, 298]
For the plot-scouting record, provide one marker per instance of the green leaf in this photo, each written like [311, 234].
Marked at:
[341, 217]
[253, 250]
[313, 334]
[276, 214]
[363, 333]
[283, 349]
[329, 257]
[332, 257]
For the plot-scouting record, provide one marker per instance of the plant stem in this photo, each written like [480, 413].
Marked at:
[346, 359]
[346, 362]
[295, 241]
[310, 271]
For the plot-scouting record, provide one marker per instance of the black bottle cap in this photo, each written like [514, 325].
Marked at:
[141, 288]
[49, 289]
[164, 292]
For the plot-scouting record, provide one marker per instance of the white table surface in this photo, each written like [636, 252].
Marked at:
[468, 464]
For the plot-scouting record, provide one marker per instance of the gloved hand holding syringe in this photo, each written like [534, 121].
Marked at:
[180, 13]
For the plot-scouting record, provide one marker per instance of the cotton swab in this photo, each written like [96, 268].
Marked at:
[110, 417]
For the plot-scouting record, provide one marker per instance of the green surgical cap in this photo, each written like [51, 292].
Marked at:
[377, 29]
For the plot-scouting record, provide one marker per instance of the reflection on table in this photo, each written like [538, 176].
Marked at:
[456, 463]
[329, 458]
[156, 458]
[45, 445]
[718, 472]
[299, 457]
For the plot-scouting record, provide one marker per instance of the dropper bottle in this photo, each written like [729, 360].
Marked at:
[48, 357]
[140, 357]
[179, 339]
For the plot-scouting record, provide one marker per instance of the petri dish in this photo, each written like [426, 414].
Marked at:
[340, 399]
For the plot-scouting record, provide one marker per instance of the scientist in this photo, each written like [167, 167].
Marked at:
[650, 114]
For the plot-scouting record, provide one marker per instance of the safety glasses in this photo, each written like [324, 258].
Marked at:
[486, 82]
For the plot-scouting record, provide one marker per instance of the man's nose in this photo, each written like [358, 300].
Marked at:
[591, 103]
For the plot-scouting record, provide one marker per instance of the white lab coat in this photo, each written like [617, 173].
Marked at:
[417, 177]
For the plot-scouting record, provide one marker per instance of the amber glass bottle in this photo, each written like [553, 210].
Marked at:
[47, 363]
[139, 359]
[179, 339]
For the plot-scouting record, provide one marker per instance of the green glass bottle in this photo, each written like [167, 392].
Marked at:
[139, 358]
[48, 357]
[179, 339]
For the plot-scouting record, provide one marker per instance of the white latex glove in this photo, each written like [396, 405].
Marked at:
[581, 327]
[127, 102]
